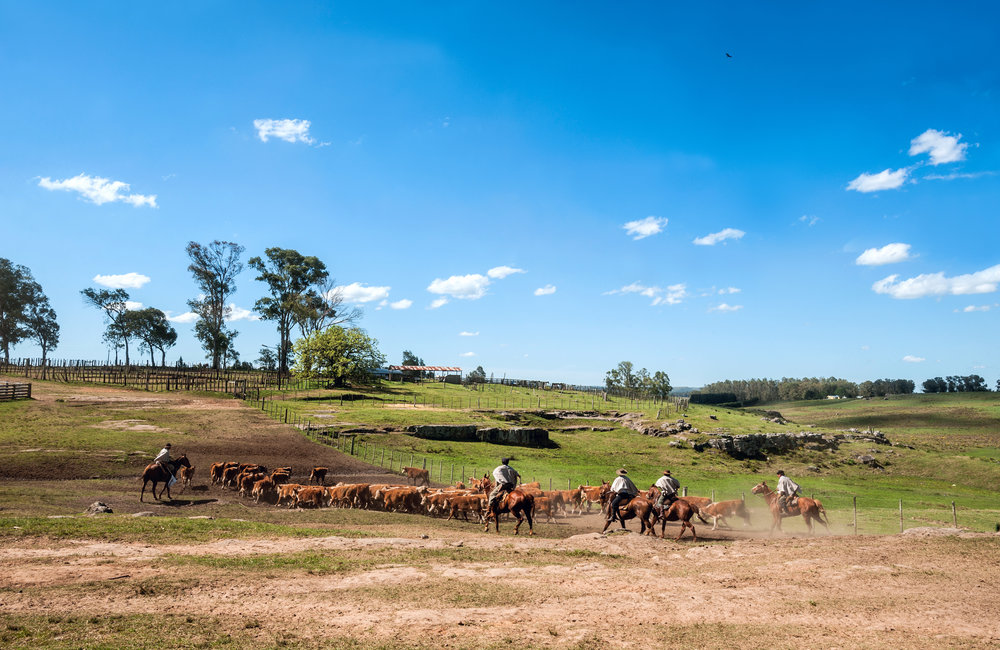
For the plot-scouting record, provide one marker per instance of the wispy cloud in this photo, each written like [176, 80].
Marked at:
[99, 190]
[465, 287]
[468, 354]
[123, 281]
[938, 284]
[957, 175]
[468, 333]
[239, 313]
[725, 307]
[716, 237]
[401, 304]
[973, 308]
[912, 359]
[672, 295]
[728, 290]
[547, 290]
[809, 220]
[884, 180]
[501, 272]
[438, 302]
[942, 147]
[358, 292]
[287, 130]
[888, 254]
[186, 317]
[642, 228]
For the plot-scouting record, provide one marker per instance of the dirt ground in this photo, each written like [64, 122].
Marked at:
[436, 586]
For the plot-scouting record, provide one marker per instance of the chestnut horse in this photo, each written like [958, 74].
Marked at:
[517, 503]
[155, 473]
[680, 511]
[653, 493]
[810, 509]
[639, 508]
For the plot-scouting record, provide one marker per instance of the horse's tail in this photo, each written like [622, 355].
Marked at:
[822, 511]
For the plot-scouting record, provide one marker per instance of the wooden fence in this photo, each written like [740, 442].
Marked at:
[9, 391]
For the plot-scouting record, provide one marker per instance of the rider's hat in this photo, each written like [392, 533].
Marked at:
[167, 445]
[504, 460]
[622, 472]
[666, 472]
[781, 472]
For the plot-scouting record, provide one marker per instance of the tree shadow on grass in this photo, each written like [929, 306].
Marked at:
[177, 503]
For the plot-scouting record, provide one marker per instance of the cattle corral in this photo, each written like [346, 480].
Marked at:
[197, 567]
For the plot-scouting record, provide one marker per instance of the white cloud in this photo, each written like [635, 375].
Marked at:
[501, 272]
[725, 307]
[186, 317]
[866, 347]
[972, 308]
[716, 237]
[728, 290]
[357, 292]
[955, 175]
[884, 180]
[912, 359]
[99, 190]
[468, 333]
[672, 295]
[642, 228]
[132, 305]
[937, 284]
[238, 313]
[438, 302]
[468, 354]
[123, 281]
[547, 290]
[809, 220]
[287, 130]
[465, 287]
[888, 254]
[942, 147]
[401, 304]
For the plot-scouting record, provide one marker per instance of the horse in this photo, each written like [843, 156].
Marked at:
[639, 508]
[810, 509]
[653, 494]
[154, 472]
[515, 502]
[680, 511]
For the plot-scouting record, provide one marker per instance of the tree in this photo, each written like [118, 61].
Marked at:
[114, 304]
[323, 305]
[267, 359]
[40, 323]
[215, 268]
[621, 378]
[17, 288]
[660, 385]
[154, 332]
[477, 376]
[289, 276]
[339, 354]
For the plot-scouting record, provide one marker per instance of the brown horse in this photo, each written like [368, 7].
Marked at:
[653, 493]
[638, 507]
[517, 503]
[155, 473]
[680, 511]
[810, 509]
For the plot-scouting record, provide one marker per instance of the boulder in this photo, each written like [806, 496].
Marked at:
[98, 507]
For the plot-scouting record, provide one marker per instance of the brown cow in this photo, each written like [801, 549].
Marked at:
[546, 506]
[185, 475]
[415, 474]
[318, 475]
[311, 496]
[403, 499]
[571, 501]
[287, 492]
[474, 503]
[591, 494]
[246, 481]
[229, 476]
[722, 509]
[216, 472]
[533, 484]
[265, 488]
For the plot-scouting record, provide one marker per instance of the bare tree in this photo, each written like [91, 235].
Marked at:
[114, 304]
[323, 306]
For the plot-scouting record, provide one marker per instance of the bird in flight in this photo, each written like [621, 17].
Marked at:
[728, 55]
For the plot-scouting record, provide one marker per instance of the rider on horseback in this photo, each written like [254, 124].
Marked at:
[506, 478]
[668, 490]
[624, 490]
[787, 490]
[163, 459]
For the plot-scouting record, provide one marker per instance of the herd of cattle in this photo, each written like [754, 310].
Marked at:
[417, 497]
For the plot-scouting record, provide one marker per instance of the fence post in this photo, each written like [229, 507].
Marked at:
[855, 515]
[900, 515]
[713, 495]
[411, 459]
[352, 445]
[743, 497]
[452, 473]
[381, 460]
[550, 484]
[424, 466]
[954, 515]
[685, 488]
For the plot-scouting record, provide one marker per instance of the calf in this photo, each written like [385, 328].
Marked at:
[185, 475]
[311, 496]
[722, 509]
[546, 506]
[216, 472]
[265, 488]
[415, 474]
[464, 504]
[318, 475]
[229, 476]
[287, 492]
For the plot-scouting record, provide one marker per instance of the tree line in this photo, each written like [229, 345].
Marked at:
[957, 384]
[751, 391]
[25, 312]
[625, 380]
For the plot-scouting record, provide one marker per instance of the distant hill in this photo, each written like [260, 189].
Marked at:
[683, 391]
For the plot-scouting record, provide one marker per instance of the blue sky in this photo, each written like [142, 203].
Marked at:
[583, 183]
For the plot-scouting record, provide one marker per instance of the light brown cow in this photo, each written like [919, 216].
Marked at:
[571, 501]
[722, 509]
[533, 484]
[229, 476]
[216, 472]
[403, 499]
[266, 489]
[415, 475]
[287, 493]
[545, 506]
[591, 494]
[464, 504]
[311, 496]
[246, 481]
[185, 475]
[318, 475]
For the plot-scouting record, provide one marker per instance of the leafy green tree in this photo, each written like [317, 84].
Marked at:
[339, 354]
[114, 304]
[659, 385]
[289, 276]
[477, 376]
[154, 331]
[40, 323]
[267, 359]
[17, 288]
[214, 268]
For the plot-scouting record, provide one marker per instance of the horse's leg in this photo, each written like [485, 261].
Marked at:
[144, 482]
[529, 513]
[517, 526]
